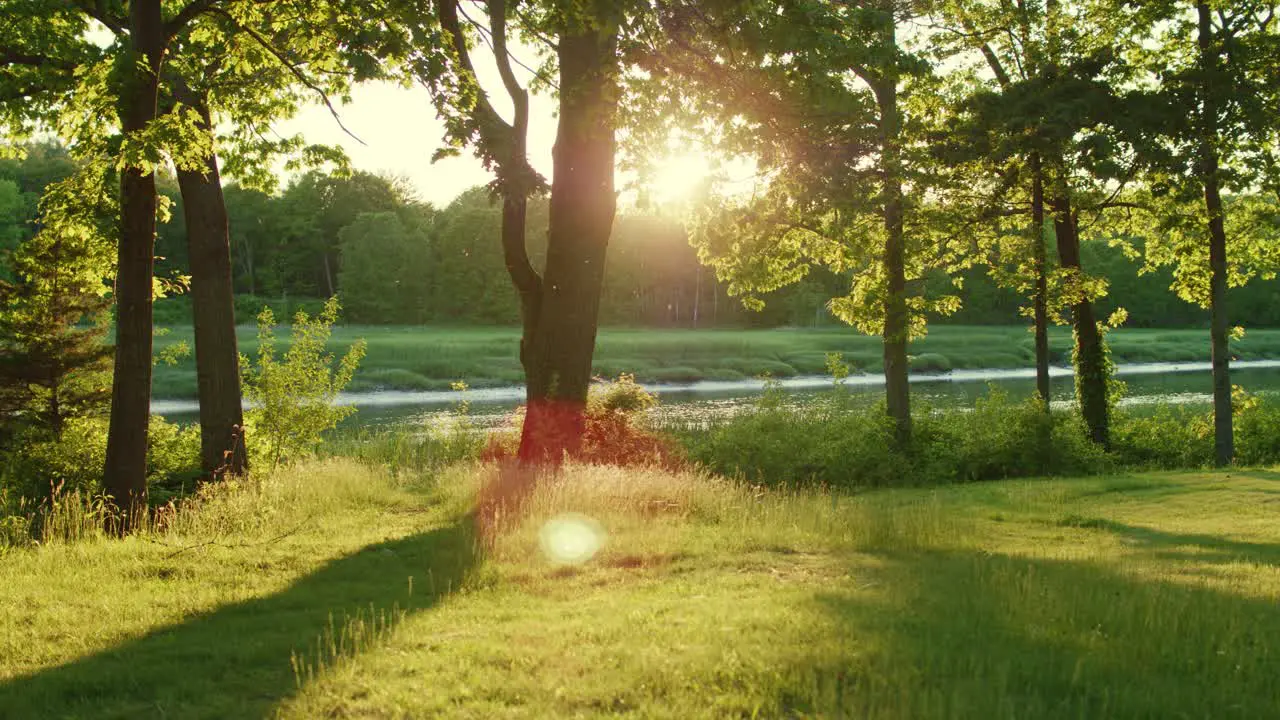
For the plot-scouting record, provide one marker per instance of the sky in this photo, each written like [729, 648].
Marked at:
[400, 132]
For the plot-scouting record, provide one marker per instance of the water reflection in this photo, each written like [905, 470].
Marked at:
[706, 402]
[1149, 384]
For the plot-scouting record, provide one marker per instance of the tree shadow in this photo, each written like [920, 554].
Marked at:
[1265, 475]
[236, 661]
[969, 634]
[1211, 548]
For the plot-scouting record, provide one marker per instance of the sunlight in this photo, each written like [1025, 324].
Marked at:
[571, 538]
[678, 177]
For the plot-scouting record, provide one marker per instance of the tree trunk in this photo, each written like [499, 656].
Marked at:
[526, 280]
[125, 471]
[328, 274]
[562, 341]
[1042, 281]
[213, 310]
[1223, 433]
[1090, 361]
[897, 388]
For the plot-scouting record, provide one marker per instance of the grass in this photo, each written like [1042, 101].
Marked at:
[338, 589]
[429, 358]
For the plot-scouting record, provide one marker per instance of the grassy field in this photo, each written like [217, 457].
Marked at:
[424, 358]
[337, 590]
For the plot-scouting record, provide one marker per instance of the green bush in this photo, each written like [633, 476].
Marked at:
[837, 442]
[39, 472]
[295, 395]
[623, 395]
[1170, 437]
[930, 362]
[1257, 429]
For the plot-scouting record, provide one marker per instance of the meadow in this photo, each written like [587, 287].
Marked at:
[430, 358]
[339, 589]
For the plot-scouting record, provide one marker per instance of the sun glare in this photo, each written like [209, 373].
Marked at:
[679, 177]
[571, 539]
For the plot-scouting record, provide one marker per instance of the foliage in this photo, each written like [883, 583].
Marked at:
[40, 473]
[623, 395]
[615, 431]
[294, 395]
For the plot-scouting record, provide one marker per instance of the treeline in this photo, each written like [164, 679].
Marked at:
[394, 260]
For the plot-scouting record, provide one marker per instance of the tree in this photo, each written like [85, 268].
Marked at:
[560, 306]
[1215, 117]
[51, 70]
[828, 100]
[53, 313]
[1050, 134]
[388, 273]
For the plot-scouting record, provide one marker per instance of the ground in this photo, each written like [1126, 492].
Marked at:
[337, 590]
[430, 358]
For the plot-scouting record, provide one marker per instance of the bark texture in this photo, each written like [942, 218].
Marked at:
[560, 342]
[125, 471]
[1090, 356]
[222, 449]
[896, 320]
[1220, 345]
[1041, 301]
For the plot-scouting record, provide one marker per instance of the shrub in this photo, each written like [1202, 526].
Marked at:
[930, 362]
[47, 479]
[295, 396]
[1257, 429]
[623, 395]
[836, 441]
[1170, 437]
[613, 434]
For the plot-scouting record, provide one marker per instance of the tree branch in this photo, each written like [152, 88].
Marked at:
[97, 9]
[447, 10]
[290, 66]
[193, 9]
[14, 56]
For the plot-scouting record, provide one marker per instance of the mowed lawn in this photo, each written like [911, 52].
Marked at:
[337, 590]
[427, 358]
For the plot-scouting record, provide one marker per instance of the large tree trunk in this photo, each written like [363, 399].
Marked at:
[1041, 301]
[125, 471]
[559, 349]
[896, 320]
[213, 310]
[1090, 360]
[1223, 433]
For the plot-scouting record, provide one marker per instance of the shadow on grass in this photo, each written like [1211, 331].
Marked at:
[1210, 548]
[967, 634]
[236, 661]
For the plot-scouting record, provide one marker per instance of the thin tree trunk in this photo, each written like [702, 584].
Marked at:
[213, 310]
[1223, 433]
[1042, 281]
[526, 280]
[125, 470]
[582, 211]
[697, 293]
[328, 273]
[897, 388]
[1090, 362]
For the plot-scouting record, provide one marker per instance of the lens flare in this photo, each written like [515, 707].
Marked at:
[571, 538]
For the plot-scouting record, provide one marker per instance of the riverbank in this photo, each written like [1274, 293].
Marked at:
[430, 358]
[338, 589]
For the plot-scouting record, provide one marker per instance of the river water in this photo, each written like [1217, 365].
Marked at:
[1149, 384]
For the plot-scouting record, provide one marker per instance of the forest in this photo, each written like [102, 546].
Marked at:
[807, 358]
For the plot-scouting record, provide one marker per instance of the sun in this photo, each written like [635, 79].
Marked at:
[679, 177]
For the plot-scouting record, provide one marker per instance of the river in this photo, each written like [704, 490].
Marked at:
[1149, 384]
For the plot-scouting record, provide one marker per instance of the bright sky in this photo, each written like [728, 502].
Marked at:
[401, 131]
